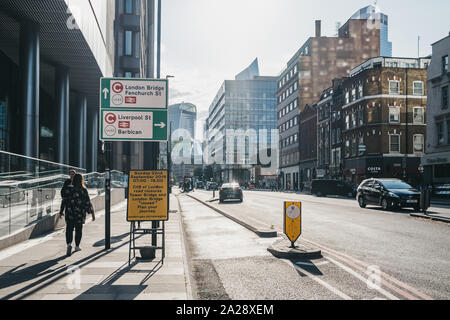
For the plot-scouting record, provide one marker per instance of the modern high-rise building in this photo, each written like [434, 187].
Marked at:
[182, 118]
[377, 19]
[310, 71]
[248, 104]
[134, 58]
[52, 54]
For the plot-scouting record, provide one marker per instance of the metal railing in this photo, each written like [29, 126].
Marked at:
[30, 189]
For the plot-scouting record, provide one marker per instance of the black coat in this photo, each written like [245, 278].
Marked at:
[77, 204]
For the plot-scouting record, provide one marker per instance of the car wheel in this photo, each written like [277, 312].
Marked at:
[319, 194]
[362, 202]
[241, 200]
[385, 204]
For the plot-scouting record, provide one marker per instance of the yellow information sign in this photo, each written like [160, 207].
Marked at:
[148, 198]
[293, 220]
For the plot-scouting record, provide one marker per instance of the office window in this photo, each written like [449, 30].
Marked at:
[445, 97]
[128, 74]
[360, 91]
[394, 87]
[394, 143]
[419, 143]
[418, 116]
[347, 97]
[354, 147]
[445, 64]
[347, 148]
[394, 114]
[360, 143]
[295, 103]
[353, 94]
[418, 88]
[440, 133]
[295, 69]
[128, 45]
[128, 6]
[347, 122]
[295, 121]
[295, 85]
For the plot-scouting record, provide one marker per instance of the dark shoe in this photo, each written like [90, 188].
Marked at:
[69, 251]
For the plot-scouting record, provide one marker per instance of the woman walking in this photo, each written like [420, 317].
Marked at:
[77, 204]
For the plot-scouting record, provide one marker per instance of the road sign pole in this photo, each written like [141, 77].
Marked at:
[108, 197]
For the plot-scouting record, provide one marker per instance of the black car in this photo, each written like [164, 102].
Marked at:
[388, 193]
[322, 188]
[230, 191]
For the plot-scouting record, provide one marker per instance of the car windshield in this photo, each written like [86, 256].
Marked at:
[396, 185]
[230, 185]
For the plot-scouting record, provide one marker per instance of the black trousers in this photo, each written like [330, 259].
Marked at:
[70, 226]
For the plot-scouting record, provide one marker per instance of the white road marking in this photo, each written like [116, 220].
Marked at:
[319, 281]
[360, 277]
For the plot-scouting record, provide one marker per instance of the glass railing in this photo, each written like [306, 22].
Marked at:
[30, 189]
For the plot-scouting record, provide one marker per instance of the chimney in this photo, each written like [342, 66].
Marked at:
[318, 28]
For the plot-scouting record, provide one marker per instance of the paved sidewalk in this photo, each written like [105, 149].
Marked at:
[39, 268]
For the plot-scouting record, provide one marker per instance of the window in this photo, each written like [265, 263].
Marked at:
[360, 91]
[418, 141]
[353, 94]
[361, 143]
[394, 114]
[445, 97]
[295, 103]
[128, 45]
[128, 6]
[295, 85]
[444, 64]
[354, 147]
[361, 117]
[440, 133]
[418, 115]
[394, 87]
[347, 97]
[128, 74]
[394, 143]
[295, 121]
[295, 69]
[347, 148]
[418, 88]
[347, 122]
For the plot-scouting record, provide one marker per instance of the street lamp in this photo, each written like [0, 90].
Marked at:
[169, 147]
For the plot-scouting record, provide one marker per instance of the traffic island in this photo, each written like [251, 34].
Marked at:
[282, 250]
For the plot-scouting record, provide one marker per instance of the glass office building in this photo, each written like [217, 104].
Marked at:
[183, 116]
[248, 104]
[373, 14]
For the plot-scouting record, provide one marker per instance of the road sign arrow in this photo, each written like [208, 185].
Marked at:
[105, 92]
[162, 125]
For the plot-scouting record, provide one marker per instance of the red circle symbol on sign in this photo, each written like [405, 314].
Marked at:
[110, 118]
[117, 87]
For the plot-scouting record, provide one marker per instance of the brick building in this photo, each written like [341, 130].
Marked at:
[308, 151]
[378, 121]
[311, 70]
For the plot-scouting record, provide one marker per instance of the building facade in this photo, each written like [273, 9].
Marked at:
[437, 158]
[308, 151]
[52, 55]
[380, 116]
[134, 35]
[312, 69]
[239, 113]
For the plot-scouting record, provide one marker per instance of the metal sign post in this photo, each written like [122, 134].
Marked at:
[292, 221]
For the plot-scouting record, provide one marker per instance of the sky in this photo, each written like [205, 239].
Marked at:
[205, 42]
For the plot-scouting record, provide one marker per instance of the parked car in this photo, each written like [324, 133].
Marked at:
[230, 191]
[200, 185]
[388, 193]
[323, 188]
[10, 193]
[212, 186]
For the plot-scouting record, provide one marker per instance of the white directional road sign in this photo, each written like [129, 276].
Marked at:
[133, 109]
